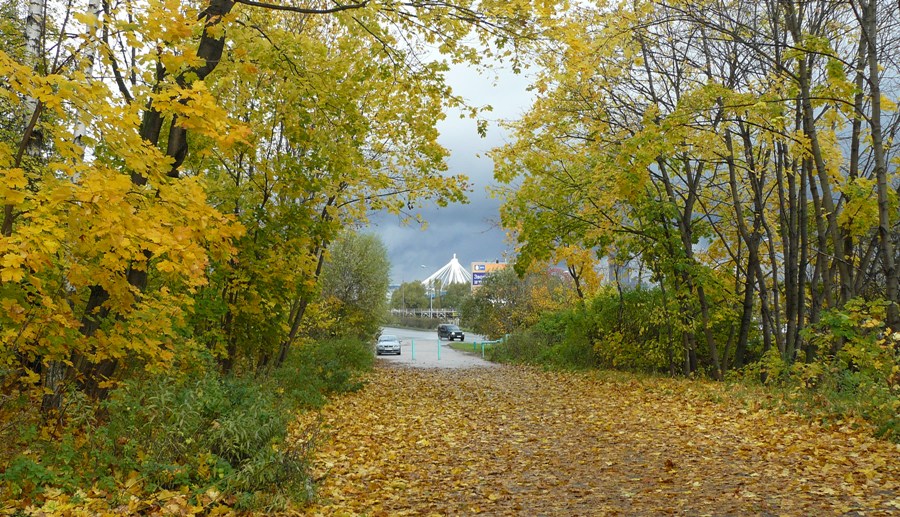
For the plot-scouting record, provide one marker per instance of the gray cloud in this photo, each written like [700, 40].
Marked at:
[470, 231]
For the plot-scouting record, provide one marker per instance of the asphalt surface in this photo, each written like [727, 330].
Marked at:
[422, 349]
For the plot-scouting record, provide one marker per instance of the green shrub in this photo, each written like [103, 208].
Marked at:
[519, 347]
[226, 433]
[207, 432]
[558, 339]
[856, 372]
[416, 322]
[634, 331]
[202, 431]
[314, 370]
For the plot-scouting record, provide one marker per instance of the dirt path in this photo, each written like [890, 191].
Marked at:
[517, 441]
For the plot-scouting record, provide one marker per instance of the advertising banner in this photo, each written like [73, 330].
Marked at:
[482, 269]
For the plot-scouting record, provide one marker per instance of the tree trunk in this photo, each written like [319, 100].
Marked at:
[787, 225]
[892, 283]
[299, 311]
[210, 51]
[807, 115]
[34, 30]
[740, 350]
[752, 240]
[803, 224]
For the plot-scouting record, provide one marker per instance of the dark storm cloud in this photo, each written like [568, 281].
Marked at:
[470, 231]
[467, 234]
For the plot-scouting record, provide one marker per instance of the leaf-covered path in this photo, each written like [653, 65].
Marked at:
[518, 441]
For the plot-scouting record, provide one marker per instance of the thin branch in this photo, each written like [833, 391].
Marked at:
[303, 10]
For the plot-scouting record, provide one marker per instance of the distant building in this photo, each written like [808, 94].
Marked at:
[629, 273]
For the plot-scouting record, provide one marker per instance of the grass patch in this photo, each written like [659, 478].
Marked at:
[473, 348]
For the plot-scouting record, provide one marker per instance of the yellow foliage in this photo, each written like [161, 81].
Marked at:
[504, 440]
[81, 222]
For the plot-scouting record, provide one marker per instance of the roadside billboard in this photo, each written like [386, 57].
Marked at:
[480, 270]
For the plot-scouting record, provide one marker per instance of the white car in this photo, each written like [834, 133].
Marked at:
[387, 344]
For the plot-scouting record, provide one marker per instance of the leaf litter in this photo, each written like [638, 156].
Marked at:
[522, 441]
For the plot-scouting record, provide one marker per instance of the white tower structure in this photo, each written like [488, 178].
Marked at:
[452, 273]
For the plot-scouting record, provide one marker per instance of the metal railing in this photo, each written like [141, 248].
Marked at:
[483, 343]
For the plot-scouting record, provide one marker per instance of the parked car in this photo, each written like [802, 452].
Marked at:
[450, 331]
[387, 344]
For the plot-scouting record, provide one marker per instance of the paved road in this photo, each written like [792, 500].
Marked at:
[426, 353]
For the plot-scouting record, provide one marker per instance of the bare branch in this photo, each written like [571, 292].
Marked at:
[304, 10]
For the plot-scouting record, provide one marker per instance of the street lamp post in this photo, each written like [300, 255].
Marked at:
[424, 267]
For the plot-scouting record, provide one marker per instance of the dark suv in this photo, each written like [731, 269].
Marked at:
[451, 332]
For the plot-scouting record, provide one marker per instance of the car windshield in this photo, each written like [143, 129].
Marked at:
[388, 337]
[452, 328]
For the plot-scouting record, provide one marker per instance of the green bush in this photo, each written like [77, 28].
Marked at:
[558, 339]
[856, 372]
[202, 431]
[314, 370]
[630, 331]
[227, 433]
[416, 322]
[520, 347]
[634, 331]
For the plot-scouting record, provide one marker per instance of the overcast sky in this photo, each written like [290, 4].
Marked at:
[470, 231]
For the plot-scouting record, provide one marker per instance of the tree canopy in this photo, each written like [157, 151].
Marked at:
[735, 150]
[173, 172]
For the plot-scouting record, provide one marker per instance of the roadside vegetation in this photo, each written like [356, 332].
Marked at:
[699, 190]
[192, 437]
[171, 441]
[634, 330]
[415, 322]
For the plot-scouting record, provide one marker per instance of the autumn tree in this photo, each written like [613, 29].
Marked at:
[108, 241]
[354, 285]
[731, 147]
[325, 151]
[504, 302]
[454, 295]
[410, 295]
